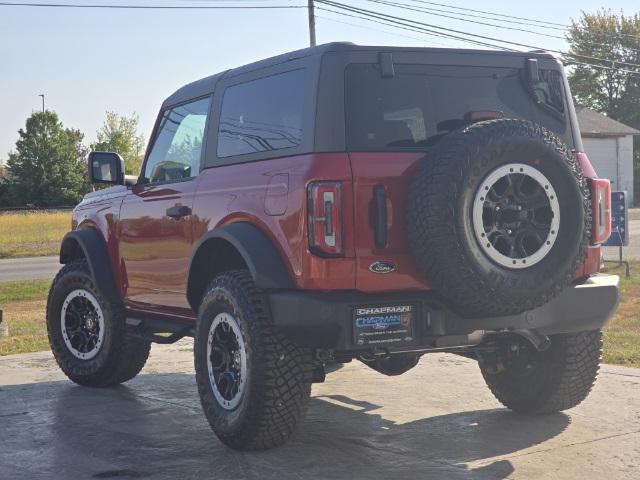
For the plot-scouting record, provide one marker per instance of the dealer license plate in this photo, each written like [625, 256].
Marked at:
[392, 324]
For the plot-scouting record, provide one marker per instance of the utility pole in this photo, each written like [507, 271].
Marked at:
[312, 25]
[42, 95]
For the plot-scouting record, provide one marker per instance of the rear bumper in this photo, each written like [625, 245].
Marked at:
[325, 320]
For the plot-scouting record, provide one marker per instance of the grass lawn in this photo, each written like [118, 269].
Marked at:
[622, 335]
[31, 234]
[24, 305]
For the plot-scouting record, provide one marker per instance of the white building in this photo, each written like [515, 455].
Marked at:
[609, 145]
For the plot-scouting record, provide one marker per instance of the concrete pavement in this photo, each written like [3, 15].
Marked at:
[28, 268]
[437, 421]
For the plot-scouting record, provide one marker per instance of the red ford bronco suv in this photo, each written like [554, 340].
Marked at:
[346, 202]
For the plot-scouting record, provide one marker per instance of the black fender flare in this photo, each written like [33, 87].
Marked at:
[94, 248]
[256, 249]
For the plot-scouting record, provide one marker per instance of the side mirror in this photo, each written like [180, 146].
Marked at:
[106, 167]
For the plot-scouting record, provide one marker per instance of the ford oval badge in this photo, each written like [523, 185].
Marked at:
[382, 267]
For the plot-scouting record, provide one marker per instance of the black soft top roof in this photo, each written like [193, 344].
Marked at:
[207, 85]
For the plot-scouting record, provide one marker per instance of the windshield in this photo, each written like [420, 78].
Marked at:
[419, 104]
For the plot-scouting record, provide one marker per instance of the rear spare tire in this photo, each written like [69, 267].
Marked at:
[499, 217]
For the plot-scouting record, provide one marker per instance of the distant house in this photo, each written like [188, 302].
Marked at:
[609, 145]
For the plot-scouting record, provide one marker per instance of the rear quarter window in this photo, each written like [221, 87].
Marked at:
[421, 103]
[262, 115]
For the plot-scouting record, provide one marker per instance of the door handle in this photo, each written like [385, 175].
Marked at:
[178, 211]
[380, 216]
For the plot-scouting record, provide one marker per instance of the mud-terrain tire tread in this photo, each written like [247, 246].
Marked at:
[281, 375]
[127, 355]
[562, 380]
[433, 223]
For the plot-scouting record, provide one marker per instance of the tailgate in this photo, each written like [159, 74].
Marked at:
[381, 184]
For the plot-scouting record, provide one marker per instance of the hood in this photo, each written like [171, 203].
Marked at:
[103, 195]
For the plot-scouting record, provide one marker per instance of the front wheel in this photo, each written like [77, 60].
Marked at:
[87, 332]
[254, 383]
[559, 378]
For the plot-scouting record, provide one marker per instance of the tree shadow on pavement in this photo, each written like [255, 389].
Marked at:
[153, 427]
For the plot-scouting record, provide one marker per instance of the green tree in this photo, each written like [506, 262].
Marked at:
[615, 89]
[119, 134]
[48, 167]
[3, 186]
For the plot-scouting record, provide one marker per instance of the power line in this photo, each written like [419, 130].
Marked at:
[409, 29]
[475, 15]
[404, 26]
[396, 22]
[554, 25]
[151, 7]
[395, 34]
[381, 18]
[483, 37]
[489, 13]
[433, 12]
[494, 16]
[422, 10]
[495, 19]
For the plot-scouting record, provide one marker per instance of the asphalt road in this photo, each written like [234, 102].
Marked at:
[437, 421]
[28, 268]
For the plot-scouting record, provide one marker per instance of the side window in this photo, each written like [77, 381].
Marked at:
[262, 115]
[177, 148]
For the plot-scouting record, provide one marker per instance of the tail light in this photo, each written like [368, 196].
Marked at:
[325, 218]
[601, 205]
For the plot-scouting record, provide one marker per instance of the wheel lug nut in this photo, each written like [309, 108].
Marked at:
[497, 208]
[519, 207]
[509, 232]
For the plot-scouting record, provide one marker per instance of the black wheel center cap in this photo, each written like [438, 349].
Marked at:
[512, 215]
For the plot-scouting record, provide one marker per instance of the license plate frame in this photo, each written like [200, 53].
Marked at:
[384, 325]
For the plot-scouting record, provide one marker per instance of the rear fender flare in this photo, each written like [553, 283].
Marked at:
[256, 249]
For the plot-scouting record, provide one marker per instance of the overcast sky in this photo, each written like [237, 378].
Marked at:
[88, 61]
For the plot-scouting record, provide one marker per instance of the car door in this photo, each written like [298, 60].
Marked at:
[156, 238]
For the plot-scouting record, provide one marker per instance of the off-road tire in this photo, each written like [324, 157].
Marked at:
[440, 223]
[120, 357]
[561, 378]
[279, 372]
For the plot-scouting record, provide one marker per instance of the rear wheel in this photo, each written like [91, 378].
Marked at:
[87, 333]
[559, 378]
[254, 383]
